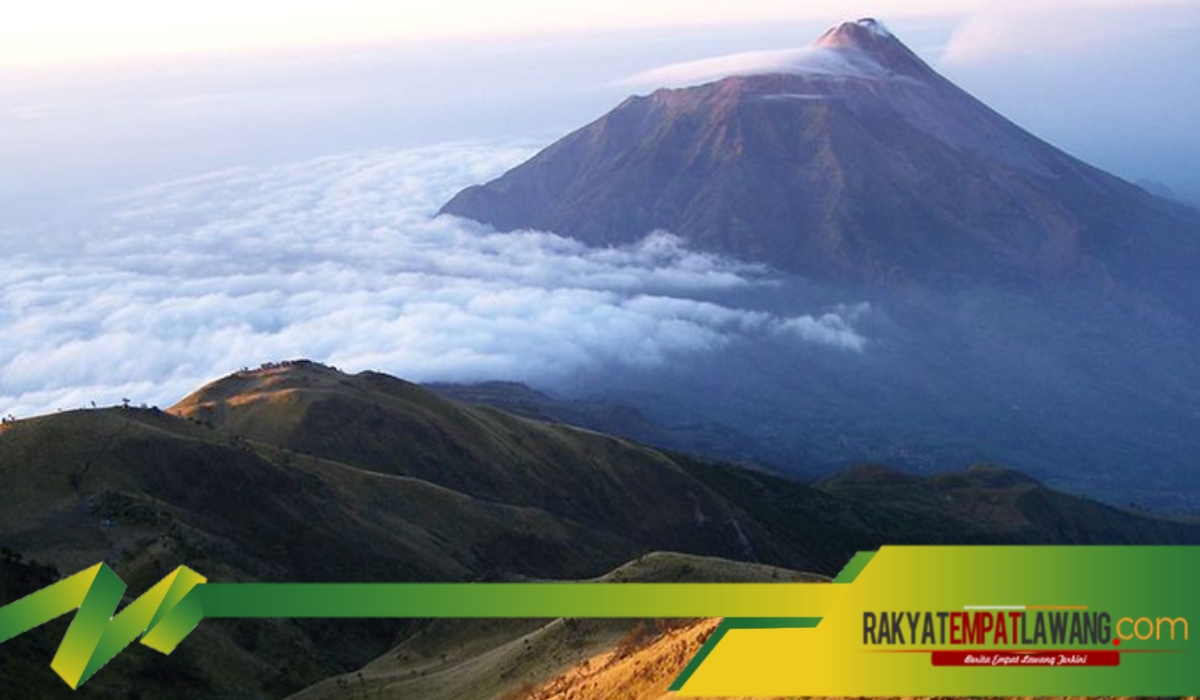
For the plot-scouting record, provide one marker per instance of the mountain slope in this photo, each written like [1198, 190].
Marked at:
[858, 163]
[609, 417]
[1020, 306]
[1004, 503]
[392, 427]
[146, 492]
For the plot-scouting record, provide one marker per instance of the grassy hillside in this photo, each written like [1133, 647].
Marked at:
[388, 426]
[147, 492]
[991, 502]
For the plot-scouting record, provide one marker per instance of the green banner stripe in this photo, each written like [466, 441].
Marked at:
[847, 575]
[50, 603]
[854, 567]
[734, 624]
[517, 600]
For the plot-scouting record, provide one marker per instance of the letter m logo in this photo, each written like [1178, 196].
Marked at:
[162, 617]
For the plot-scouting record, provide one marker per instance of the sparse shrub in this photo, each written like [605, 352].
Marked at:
[633, 640]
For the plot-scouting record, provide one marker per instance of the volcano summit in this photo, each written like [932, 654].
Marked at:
[848, 161]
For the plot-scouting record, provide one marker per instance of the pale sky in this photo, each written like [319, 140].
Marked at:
[98, 97]
[51, 32]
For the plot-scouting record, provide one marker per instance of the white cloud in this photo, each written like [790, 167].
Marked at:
[1032, 27]
[811, 60]
[835, 328]
[340, 259]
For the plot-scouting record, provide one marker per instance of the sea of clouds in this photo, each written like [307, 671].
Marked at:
[342, 260]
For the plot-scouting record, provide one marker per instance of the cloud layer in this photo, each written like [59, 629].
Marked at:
[810, 60]
[341, 260]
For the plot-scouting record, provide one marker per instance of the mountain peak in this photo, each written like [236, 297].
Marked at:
[863, 49]
[865, 33]
[868, 36]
